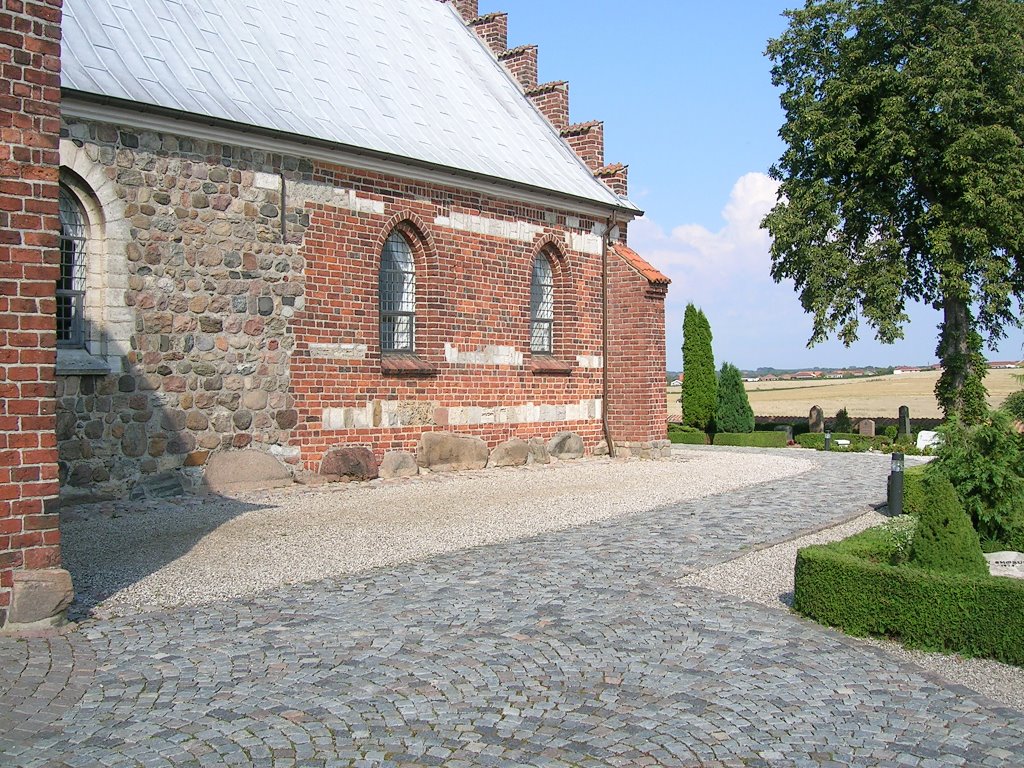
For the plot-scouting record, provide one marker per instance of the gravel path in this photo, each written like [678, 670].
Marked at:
[129, 557]
[765, 576]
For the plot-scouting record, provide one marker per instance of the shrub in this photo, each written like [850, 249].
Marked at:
[733, 412]
[842, 422]
[915, 498]
[891, 431]
[699, 388]
[944, 539]
[752, 439]
[683, 435]
[1014, 405]
[934, 610]
[985, 464]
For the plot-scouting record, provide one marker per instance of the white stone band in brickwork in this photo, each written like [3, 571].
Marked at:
[488, 355]
[397, 413]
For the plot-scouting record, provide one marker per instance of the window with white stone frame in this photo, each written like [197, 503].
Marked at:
[542, 306]
[70, 292]
[397, 295]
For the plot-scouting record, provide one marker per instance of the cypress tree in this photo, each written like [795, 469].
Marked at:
[733, 413]
[699, 388]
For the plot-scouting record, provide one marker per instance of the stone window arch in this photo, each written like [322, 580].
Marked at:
[106, 322]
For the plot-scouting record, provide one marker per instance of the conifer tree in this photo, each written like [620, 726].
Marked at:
[699, 388]
[733, 413]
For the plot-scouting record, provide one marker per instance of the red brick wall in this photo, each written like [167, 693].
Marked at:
[636, 358]
[552, 99]
[473, 291]
[29, 126]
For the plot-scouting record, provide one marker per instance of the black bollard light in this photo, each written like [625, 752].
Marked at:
[895, 499]
[828, 441]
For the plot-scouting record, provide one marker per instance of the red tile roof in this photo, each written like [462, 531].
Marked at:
[637, 262]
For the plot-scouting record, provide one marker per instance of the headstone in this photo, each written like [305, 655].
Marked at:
[398, 464]
[866, 427]
[445, 452]
[511, 453]
[1009, 564]
[566, 445]
[350, 462]
[788, 429]
[926, 439]
[164, 485]
[903, 428]
[816, 420]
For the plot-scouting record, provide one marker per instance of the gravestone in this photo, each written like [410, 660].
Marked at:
[1010, 564]
[866, 427]
[788, 429]
[903, 428]
[816, 420]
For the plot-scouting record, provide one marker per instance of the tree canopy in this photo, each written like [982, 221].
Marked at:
[699, 388]
[903, 173]
[733, 412]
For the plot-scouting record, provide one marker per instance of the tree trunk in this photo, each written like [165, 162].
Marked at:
[960, 391]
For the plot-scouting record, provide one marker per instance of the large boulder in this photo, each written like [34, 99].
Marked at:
[566, 445]
[511, 453]
[398, 464]
[445, 452]
[350, 462]
[245, 470]
[539, 451]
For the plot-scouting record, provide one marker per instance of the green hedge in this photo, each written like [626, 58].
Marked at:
[752, 439]
[816, 440]
[972, 615]
[681, 434]
[915, 499]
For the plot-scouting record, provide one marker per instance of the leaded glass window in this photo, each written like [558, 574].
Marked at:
[542, 306]
[71, 284]
[397, 295]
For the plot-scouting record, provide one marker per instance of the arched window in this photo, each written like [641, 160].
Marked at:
[542, 306]
[71, 283]
[397, 295]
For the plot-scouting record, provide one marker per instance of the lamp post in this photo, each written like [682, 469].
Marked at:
[828, 441]
[895, 500]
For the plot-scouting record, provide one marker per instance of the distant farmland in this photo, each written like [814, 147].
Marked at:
[863, 398]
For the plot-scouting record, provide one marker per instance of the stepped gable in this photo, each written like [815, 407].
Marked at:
[551, 99]
[637, 262]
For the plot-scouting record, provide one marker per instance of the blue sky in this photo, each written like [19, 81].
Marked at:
[685, 94]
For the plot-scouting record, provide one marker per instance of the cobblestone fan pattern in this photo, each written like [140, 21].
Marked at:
[570, 649]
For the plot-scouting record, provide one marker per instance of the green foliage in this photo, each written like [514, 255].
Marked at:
[681, 434]
[915, 497]
[733, 413]
[960, 390]
[934, 610]
[858, 443]
[891, 431]
[842, 422]
[902, 171]
[699, 387]
[1014, 405]
[985, 464]
[944, 539]
[752, 439]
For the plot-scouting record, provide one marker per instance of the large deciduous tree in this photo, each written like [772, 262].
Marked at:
[699, 389]
[903, 173]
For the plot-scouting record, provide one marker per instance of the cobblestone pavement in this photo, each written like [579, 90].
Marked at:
[574, 648]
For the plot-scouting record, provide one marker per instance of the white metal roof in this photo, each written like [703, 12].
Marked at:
[402, 77]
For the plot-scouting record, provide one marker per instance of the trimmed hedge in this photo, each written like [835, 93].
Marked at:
[752, 439]
[816, 440]
[945, 540]
[915, 499]
[683, 435]
[972, 615]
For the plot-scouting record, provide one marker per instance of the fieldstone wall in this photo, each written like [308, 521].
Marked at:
[213, 275]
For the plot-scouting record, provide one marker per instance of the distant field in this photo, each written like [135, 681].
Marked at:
[875, 396]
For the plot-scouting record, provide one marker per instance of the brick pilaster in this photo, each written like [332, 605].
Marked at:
[615, 177]
[493, 30]
[552, 99]
[587, 140]
[521, 63]
[29, 259]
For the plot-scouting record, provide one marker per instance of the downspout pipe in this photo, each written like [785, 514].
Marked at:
[604, 336]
